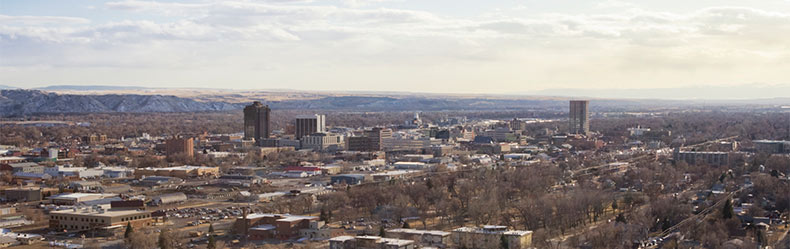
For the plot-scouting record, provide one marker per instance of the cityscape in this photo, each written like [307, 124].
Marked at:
[394, 124]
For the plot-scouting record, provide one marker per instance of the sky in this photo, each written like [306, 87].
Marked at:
[442, 46]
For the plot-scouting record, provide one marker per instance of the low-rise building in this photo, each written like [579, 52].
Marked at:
[277, 226]
[771, 146]
[24, 167]
[349, 179]
[80, 172]
[179, 171]
[490, 237]
[369, 242]
[76, 198]
[171, 198]
[322, 142]
[702, 157]
[97, 217]
[241, 180]
[160, 181]
[23, 194]
[432, 238]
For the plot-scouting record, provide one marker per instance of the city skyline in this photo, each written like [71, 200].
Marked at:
[496, 47]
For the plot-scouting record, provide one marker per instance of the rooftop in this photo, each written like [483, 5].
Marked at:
[99, 210]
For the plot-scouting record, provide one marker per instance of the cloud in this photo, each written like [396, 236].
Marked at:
[239, 37]
[41, 20]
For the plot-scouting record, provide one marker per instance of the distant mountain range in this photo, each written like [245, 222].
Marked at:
[20, 102]
[89, 88]
[27, 102]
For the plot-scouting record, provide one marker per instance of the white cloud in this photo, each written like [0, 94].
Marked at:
[300, 42]
[41, 20]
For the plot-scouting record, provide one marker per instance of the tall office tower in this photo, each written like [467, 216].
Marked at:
[309, 124]
[579, 119]
[256, 121]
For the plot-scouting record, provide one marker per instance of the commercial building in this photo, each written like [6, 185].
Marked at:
[180, 146]
[160, 181]
[579, 117]
[179, 171]
[241, 180]
[79, 172]
[97, 217]
[409, 144]
[771, 146]
[77, 198]
[23, 194]
[279, 226]
[369, 242]
[95, 139]
[349, 179]
[309, 124]
[322, 142]
[24, 167]
[371, 141]
[490, 237]
[257, 121]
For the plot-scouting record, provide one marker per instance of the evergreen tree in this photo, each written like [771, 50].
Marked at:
[614, 205]
[620, 218]
[210, 228]
[129, 230]
[406, 224]
[322, 215]
[727, 212]
[212, 243]
[503, 242]
[381, 231]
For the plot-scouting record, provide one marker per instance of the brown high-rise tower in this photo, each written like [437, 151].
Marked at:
[579, 118]
[256, 122]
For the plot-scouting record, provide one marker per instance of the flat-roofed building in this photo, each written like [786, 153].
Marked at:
[180, 146]
[275, 226]
[432, 238]
[702, 157]
[257, 121]
[322, 142]
[97, 217]
[490, 237]
[771, 146]
[23, 194]
[179, 171]
[76, 198]
[309, 124]
[579, 117]
[369, 242]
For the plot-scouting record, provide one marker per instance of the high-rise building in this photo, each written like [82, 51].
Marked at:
[579, 119]
[256, 121]
[184, 146]
[309, 124]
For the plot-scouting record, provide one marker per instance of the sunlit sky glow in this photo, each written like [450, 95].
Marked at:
[458, 46]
